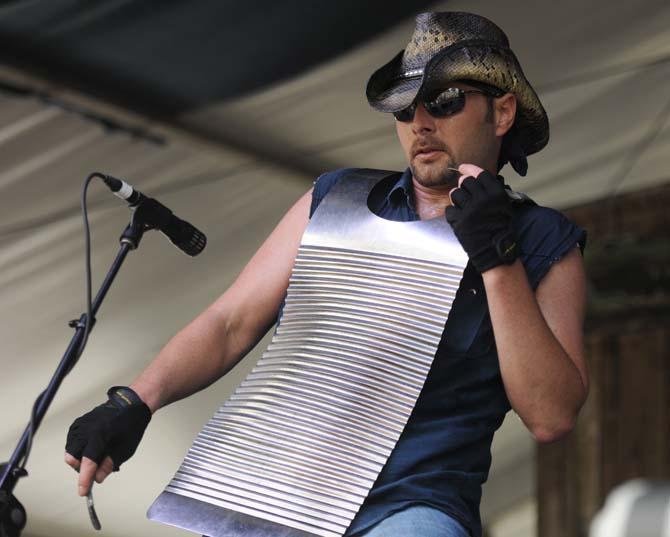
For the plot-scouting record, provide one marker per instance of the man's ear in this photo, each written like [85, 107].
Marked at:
[505, 112]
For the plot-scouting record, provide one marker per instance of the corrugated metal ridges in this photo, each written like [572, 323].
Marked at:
[303, 438]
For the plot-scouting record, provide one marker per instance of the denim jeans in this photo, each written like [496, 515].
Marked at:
[418, 521]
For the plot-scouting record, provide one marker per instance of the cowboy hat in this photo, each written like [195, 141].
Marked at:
[459, 46]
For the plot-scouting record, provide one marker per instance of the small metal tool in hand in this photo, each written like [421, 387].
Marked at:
[91, 509]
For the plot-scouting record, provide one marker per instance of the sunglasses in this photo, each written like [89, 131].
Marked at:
[446, 103]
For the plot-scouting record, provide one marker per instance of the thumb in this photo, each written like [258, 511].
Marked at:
[105, 468]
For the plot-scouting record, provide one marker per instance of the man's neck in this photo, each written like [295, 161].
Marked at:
[430, 202]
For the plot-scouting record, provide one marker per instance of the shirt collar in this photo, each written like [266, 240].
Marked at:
[403, 190]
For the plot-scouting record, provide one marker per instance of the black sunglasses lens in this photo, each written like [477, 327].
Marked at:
[406, 114]
[447, 103]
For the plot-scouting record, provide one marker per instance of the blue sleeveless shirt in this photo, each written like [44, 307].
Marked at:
[444, 454]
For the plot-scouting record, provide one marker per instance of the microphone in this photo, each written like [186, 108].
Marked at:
[183, 235]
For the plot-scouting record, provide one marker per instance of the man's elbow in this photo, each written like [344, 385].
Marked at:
[553, 426]
[546, 433]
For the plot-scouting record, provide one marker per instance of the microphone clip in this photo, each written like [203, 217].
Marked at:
[145, 215]
[150, 213]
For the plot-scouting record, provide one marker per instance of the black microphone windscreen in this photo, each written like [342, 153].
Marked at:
[184, 236]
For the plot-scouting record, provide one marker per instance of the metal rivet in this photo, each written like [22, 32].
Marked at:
[473, 291]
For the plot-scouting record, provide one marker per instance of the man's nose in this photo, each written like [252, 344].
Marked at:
[423, 122]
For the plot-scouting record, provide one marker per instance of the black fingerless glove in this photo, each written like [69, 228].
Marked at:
[114, 428]
[482, 221]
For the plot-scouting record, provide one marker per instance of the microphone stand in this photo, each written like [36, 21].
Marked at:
[12, 513]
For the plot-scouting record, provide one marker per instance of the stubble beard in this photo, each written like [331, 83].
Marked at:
[436, 174]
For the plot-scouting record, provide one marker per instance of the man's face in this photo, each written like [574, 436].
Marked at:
[432, 145]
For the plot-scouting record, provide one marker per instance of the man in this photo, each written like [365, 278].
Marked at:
[463, 109]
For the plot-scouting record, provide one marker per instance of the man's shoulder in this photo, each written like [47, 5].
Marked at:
[530, 213]
[537, 220]
[326, 181]
[545, 235]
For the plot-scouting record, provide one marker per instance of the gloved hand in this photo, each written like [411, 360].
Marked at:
[481, 217]
[112, 429]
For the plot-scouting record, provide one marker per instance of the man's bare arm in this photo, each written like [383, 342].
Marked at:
[220, 336]
[539, 337]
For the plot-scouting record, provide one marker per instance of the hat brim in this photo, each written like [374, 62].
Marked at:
[389, 91]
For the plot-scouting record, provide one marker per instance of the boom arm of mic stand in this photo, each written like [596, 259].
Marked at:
[13, 519]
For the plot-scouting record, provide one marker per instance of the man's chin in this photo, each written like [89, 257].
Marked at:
[435, 175]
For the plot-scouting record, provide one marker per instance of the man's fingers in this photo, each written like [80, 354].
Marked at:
[468, 170]
[460, 198]
[106, 467]
[450, 193]
[71, 461]
[87, 472]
